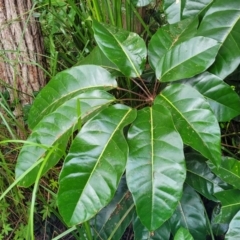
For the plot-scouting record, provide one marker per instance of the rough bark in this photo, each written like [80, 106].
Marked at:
[21, 51]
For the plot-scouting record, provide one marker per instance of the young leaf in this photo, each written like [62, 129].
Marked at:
[223, 100]
[66, 85]
[56, 128]
[229, 171]
[168, 36]
[187, 59]
[183, 234]
[234, 228]
[125, 49]
[94, 165]
[193, 119]
[142, 233]
[190, 215]
[200, 177]
[155, 168]
[112, 221]
[222, 23]
[230, 201]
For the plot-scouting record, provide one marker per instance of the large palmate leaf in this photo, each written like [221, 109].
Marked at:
[223, 100]
[183, 234]
[177, 10]
[229, 171]
[233, 232]
[190, 215]
[125, 49]
[56, 128]
[168, 36]
[142, 233]
[155, 168]
[230, 205]
[200, 177]
[112, 221]
[193, 119]
[187, 59]
[222, 23]
[66, 85]
[94, 165]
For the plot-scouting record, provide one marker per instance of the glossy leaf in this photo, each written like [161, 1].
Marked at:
[229, 171]
[200, 177]
[112, 221]
[230, 201]
[219, 229]
[97, 57]
[142, 233]
[155, 168]
[233, 232]
[94, 165]
[177, 10]
[169, 36]
[187, 59]
[190, 215]
[193, 119]
[141, 3]
[222, 23]
[66, 85]
[56, 128]
[125, 49]
[183, 234]
[173, 10]
[194, 8]
[223, 100]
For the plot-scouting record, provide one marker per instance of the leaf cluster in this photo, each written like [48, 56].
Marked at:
[144, 128]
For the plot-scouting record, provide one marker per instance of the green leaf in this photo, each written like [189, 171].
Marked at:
[56, 128]
[142, 233]
[183, 234]
[187, 59]
[66, 85]
[112, 221]
[155, 168]
[233, 232]
[194, 8]
[125, 49]
[96, 57]
[230, 201]
[229, 171]
[223, 100]
[168, 36]
[219, 229]
[200, 177]
[173, 9]
[177, 10]
[193, 119]
[141, 3]
[94, 165]
[190, 215]
[222, 23]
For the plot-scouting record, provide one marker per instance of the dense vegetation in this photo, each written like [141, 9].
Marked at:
[137, 134]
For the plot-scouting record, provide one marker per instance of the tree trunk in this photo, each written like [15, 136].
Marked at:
[21, 52]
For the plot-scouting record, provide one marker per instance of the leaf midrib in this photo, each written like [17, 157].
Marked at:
[100, 156]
